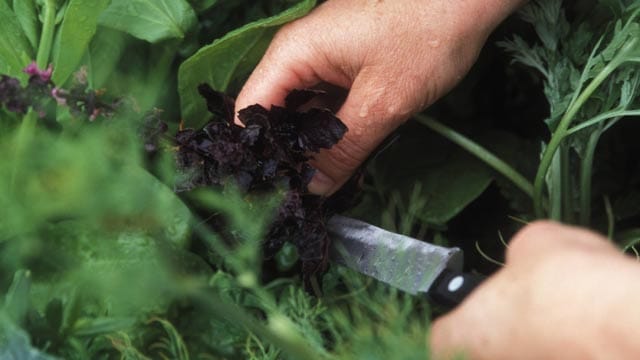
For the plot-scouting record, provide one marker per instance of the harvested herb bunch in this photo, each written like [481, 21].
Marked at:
[270, 152]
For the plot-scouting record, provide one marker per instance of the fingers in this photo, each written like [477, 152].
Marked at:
[291, 62]
[274, 77]
[542, 239]
[294, 64]
[479, 327]
[370, 117]
[550, 270]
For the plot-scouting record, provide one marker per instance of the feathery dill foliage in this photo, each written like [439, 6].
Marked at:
[591, 79]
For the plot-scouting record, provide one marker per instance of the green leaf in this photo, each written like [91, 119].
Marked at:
[150, 20]
[16, 301]
[424, 167]
[450, 188]
[106, 49]
[227, 59]
[100, 326]
[202, 5]
[27, 15]
[15, 50]
[78, 27]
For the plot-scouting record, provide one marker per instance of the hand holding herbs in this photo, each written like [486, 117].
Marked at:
[396, 57]
[564, 293]
[268, 154]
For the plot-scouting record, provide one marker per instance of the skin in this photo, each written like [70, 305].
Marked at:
[564, 292]
[395, 57]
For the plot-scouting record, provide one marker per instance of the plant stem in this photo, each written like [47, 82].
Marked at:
[46, 38]
[22, 141]
[480, 152]
[603, 117]
[554, 182]
[611, 222]
[586, 169]
[561, 131]
[565, 178]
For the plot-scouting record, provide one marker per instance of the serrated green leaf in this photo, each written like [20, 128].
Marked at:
[150, 20]
[227, 59]
[78, 27]
[549, 20]
[15, 49]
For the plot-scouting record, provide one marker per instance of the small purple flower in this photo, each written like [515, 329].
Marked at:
[33, 70]
[45, 75]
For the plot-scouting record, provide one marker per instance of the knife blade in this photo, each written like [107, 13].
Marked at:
[408, 264]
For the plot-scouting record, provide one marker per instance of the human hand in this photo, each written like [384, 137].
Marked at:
[564, 293]
[396, 57]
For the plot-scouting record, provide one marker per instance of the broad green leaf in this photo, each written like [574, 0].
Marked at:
[422, 166]
[228, 59]
[105, 51]
[451, 187]
[27, 15]
[15, 50]
[78, 27]
[150, 20]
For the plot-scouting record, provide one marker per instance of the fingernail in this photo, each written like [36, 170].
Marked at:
[321, 184]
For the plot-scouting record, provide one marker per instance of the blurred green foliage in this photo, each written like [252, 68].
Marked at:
[100, 259]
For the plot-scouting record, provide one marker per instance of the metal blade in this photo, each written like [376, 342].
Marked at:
[403, 262]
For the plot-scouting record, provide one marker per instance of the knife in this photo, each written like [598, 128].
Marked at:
[408, 264]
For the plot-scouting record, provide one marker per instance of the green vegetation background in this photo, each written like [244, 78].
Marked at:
[100, 259]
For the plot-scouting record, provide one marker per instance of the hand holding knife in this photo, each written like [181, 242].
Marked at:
[408, 264]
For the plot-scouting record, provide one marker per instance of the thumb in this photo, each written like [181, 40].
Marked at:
[291, 62]
[370, 117]
[475, 329]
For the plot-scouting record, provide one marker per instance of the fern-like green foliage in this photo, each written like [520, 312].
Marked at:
[591, 78]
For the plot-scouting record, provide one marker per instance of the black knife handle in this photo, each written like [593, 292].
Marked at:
[451, 287]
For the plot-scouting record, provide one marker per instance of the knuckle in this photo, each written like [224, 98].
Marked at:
[531, 239]
[349, 154]
[343, 158]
